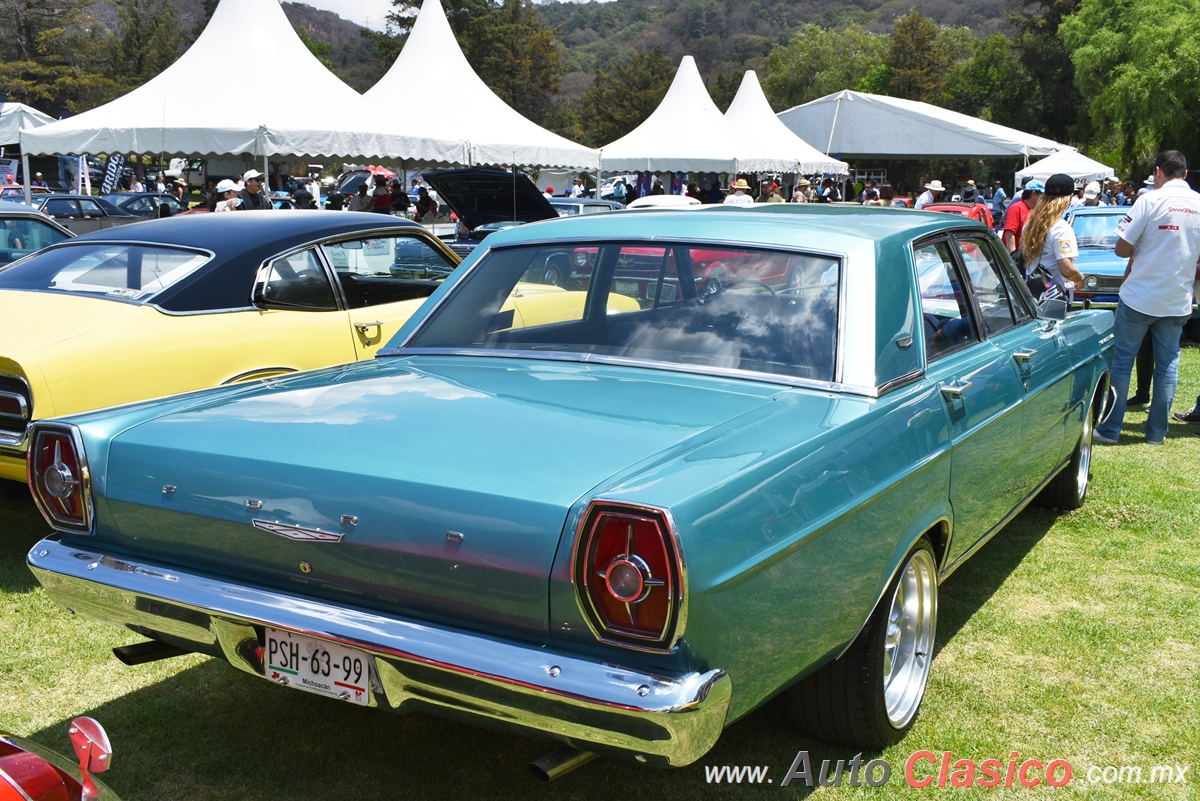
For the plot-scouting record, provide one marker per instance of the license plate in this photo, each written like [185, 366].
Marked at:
[628, 288]
[317, 666]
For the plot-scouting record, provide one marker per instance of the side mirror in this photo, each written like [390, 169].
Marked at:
[1052, 309]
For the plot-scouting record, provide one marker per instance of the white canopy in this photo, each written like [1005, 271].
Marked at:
[751, 114]
[432, 90]
[1071, 162]
[687, 132]
[854, 124]
[224, 97]
[14, 117]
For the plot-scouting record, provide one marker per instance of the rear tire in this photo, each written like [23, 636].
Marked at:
[1068, 490]
[869, 697]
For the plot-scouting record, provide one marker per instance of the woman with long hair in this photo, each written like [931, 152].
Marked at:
[1048, 239]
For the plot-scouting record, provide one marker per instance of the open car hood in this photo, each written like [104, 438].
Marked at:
[480, 196]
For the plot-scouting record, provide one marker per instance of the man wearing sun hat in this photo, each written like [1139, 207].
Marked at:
[932, 190]
[737, 194]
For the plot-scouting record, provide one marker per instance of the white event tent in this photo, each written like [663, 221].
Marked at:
[687, 132]
[855, 124]
[15, 116]
[222, 97]
[431, 89]
[1071, 162]
[751, 114]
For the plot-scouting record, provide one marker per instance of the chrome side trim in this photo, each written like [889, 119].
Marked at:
[590, 703]
[901, 381]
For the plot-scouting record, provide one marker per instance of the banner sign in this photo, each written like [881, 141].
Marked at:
[112, 174]
[8, 167]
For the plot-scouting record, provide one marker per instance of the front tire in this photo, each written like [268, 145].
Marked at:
[869, 697]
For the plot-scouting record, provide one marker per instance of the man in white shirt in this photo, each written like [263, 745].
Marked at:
[738, 196]
[1161, 233]
[932, 190]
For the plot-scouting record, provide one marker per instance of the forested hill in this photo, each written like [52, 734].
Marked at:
[728, 36]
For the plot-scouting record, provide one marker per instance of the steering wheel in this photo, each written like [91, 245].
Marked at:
[774, 304]
[754, 281]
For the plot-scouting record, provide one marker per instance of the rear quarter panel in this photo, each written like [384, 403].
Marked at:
[792, 523]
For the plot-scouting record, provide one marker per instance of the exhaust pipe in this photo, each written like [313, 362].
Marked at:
[142, 652]
[559, 763]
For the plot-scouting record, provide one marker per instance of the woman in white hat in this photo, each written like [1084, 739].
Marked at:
[737, 195]
[932, 190]
[225, 198]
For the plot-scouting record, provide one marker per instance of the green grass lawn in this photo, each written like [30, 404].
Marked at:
[1070, 636]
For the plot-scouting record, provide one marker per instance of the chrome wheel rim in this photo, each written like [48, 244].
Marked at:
[1085, 455]
[908, 641]
[552, 278]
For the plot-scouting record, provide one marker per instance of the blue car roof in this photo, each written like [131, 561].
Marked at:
[819, 226]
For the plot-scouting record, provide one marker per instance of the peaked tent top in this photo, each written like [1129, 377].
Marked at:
[1071, 162]
[222, 97]
[15, 116]
[751, 114]
[432, 89]
[874, 126]
[688, 132]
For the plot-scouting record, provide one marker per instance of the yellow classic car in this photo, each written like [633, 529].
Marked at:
[169, 306]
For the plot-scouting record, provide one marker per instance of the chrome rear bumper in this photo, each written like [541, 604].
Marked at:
[658, 719]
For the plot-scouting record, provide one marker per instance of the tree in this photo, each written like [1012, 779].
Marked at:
[816, 62]
[53, 55]
[1052, 98]
[147, 39]
[1138, 66]
[723, 88]
[921, 55]
[315, 46]
[623, 96]
[993, 85]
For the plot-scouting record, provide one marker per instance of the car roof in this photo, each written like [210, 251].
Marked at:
[239, 242]
[7, 207]
[817, 226]
[1089, 210]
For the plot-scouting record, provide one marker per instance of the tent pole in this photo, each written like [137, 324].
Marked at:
[25, 170]
[266, 174]
[833, 127]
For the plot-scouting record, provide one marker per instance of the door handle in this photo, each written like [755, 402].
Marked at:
[955, 390]
[1024, 355]
[363, 328]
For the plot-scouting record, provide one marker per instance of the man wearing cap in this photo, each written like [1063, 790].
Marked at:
[38, 180]
[253, 197]
[1018, 213]
[1161, 233]
[932, 190]
[737, 194]
[998, 198]
[1092, 195]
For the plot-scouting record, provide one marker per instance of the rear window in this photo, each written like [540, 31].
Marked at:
[119, 271]
[758, 310]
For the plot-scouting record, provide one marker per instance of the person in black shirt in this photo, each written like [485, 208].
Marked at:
[253, 197]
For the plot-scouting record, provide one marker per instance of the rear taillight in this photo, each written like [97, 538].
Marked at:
[58, 477]
[13, 406]
[629, 575]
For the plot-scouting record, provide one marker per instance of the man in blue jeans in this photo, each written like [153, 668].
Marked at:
[1162, 234]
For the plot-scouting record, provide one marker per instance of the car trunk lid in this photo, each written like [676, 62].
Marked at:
[432, 486]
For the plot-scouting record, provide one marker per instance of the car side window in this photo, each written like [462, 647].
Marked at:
[944, 307]
[997, 308]
[90, 208]
[62, 208]
[298, 281]
[20, 237]
[387, 269]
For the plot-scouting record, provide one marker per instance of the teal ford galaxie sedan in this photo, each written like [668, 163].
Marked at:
[623, 523]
